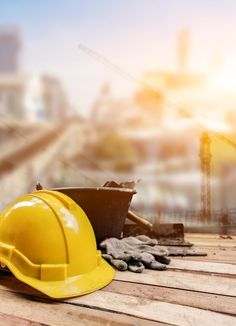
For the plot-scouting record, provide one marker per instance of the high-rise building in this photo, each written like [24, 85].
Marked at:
[9, 50]
[32, 98]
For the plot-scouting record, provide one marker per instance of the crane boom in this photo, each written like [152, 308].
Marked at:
[151, 91]
[158, 95]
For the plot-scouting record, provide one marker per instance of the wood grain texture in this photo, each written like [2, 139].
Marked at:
[211, 302]
[20, 300]
[200, 266]
[211, 242]
[216, 255]
[9, 320]
[207, 236]
[154, 310]
[182, 280]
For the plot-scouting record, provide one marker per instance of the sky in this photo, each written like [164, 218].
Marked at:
[138, 35]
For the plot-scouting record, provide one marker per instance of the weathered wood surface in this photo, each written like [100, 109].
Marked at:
[212, 240]
[193, 291]
[18, 299]
[8, 320]
[214, 254]
[183, 280]
[200, 266]
[212, 302]
[208, 236]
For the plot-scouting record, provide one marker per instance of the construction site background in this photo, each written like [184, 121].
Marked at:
[137, 137]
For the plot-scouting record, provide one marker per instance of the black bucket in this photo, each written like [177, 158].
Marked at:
[105, 207]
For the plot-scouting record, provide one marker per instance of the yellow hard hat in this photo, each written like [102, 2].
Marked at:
[47, 242]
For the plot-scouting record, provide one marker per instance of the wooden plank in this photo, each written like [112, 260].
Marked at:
[182, 280]
[10, 283]
[210, 259]
[12, 321]
[212, 242]
[22, 301]
[154, 310]
[202, 266]
[206, 244]
[215, 255]
[211, 302]
[78, 310]
[211, 239]
[220, 248]
[207, 236]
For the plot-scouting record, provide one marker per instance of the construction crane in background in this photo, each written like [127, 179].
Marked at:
[205, 160]
[205, 139]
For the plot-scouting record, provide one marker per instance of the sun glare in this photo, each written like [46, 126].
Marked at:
[224, 79]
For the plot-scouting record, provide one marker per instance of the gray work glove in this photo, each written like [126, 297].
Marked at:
[135, 253]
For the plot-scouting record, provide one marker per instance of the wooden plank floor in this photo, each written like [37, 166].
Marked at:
[193, 291]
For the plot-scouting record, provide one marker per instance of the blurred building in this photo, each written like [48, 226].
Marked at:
[113, 113]
[156, 135]
[32, 98]
[55, 102]
[181, 85]
[10, 45]
[27, 97]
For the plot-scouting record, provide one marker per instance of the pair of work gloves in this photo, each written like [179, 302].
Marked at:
[135, 253]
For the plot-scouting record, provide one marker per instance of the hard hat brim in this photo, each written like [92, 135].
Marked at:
[74, 286]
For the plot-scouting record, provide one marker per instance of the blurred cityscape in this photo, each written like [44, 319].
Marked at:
[179, 166]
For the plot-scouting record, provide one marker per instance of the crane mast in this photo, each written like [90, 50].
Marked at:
[205, 160]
